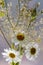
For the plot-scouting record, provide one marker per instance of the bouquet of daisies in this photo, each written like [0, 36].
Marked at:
[20, 33]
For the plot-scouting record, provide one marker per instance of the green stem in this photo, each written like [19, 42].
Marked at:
[5, 38]
[14, 63]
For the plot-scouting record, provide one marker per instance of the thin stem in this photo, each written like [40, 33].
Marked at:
[7, 14]
[24, 2]
[19, 6]
[5, 37]
[19, 12]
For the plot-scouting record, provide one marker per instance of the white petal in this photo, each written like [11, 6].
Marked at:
[31, 58]
[8, 59]
[16, 43]
[6, 50]
[4, 54]
[27, 55]
[36, 46]
[17, 60]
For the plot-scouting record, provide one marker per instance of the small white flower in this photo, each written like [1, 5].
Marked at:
[38, 3]
[11, 55]
[32, 51]
[41, 21]
[9, 4]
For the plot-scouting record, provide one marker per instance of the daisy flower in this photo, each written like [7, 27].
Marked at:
[11, 55]
[20, 36]
[32, 51]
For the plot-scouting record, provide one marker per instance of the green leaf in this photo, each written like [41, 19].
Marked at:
[2, 3]
[2, 14]
[34, 12]
[32, 19]
[21, 51]
[17, 63]
[12, 45]
[13, 63]
[42, 11]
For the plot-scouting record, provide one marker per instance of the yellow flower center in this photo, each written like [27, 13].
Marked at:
[12, 55]
[20, 36]
[32, 51]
